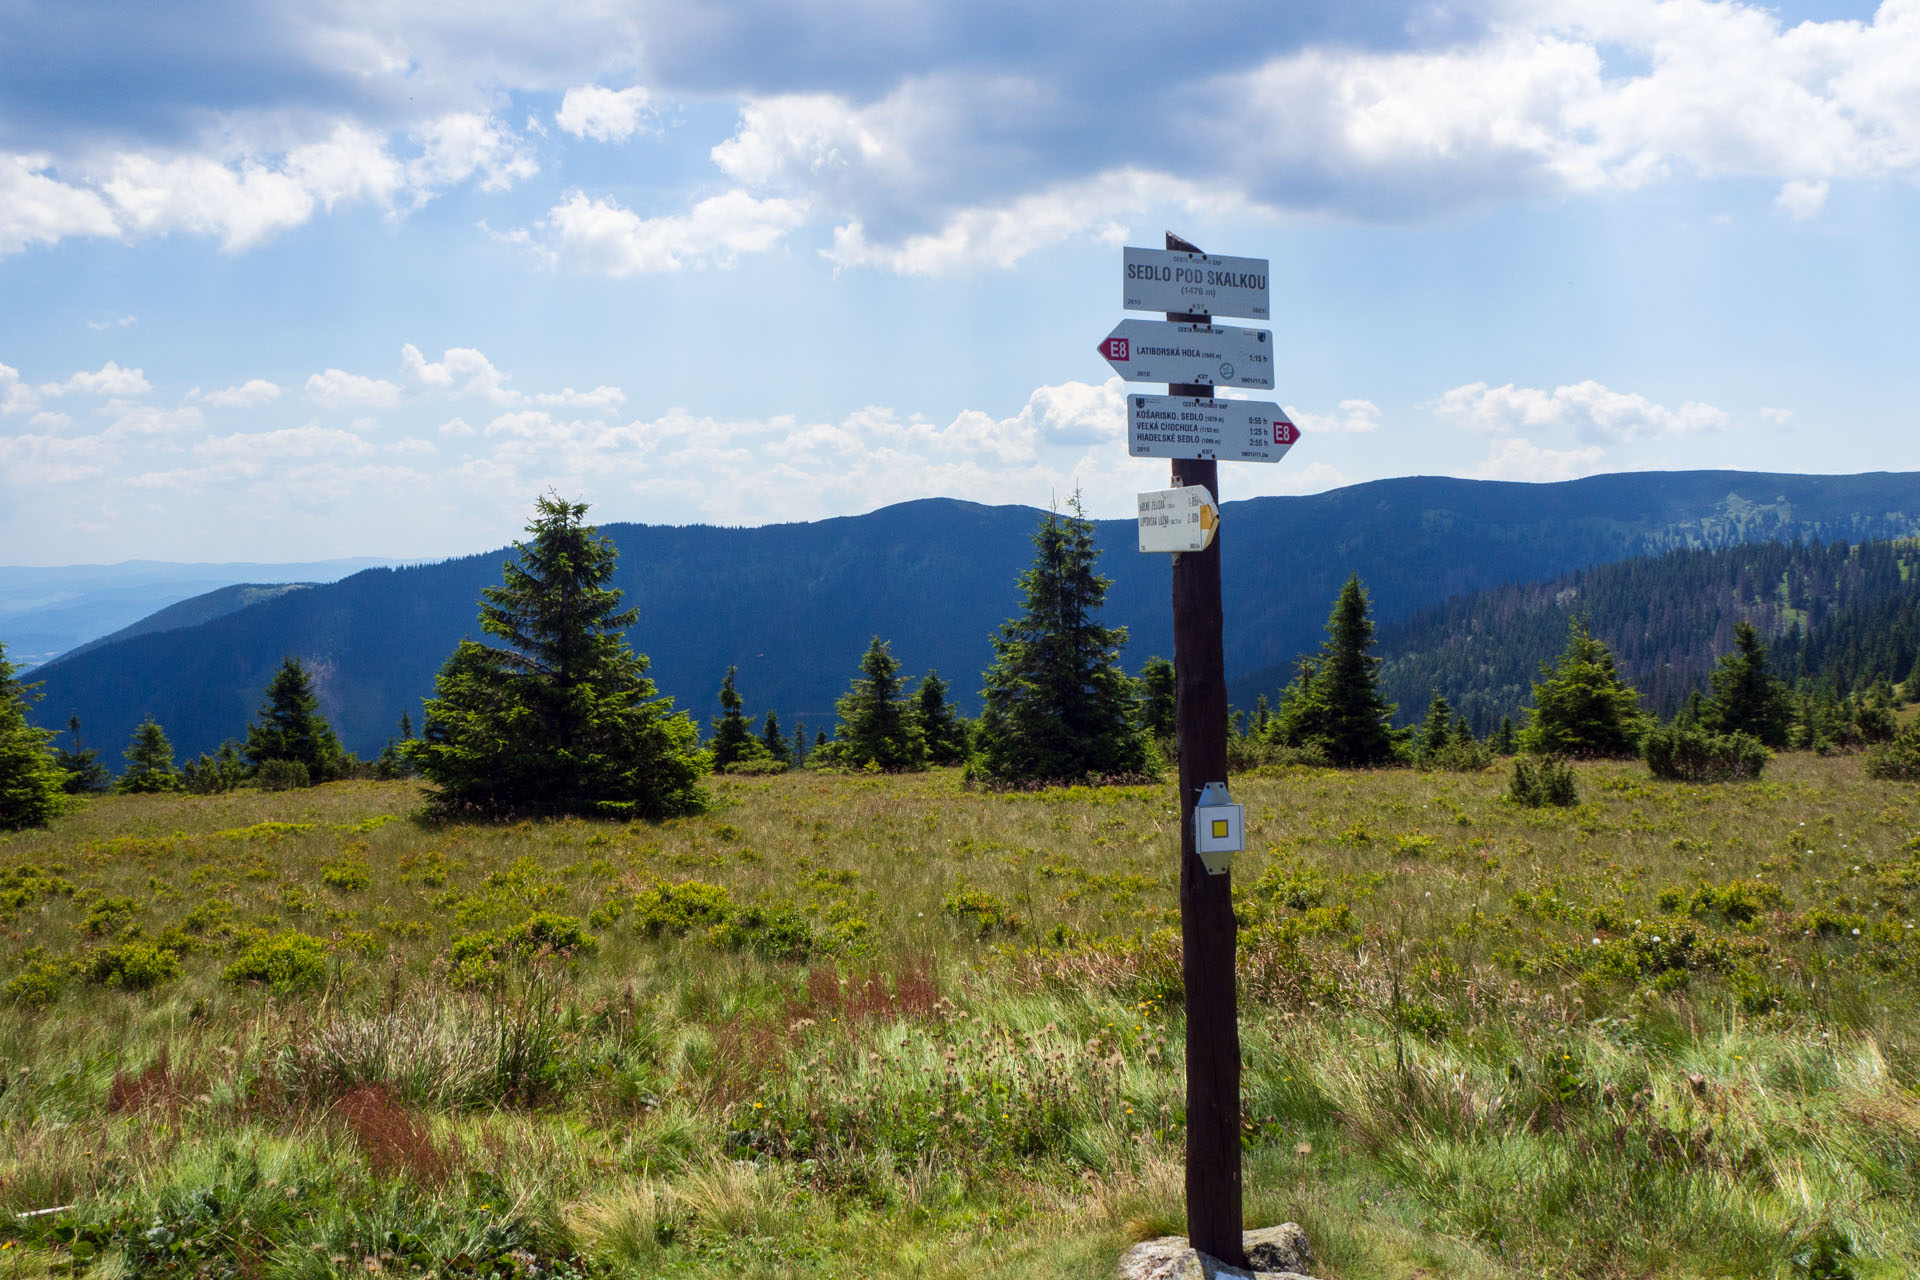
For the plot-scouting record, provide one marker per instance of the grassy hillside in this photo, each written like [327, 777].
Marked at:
[904, 1029]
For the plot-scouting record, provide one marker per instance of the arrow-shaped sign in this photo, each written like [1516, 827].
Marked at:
[1227, 430]
[1211, 355]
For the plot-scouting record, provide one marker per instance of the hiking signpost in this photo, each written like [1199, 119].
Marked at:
[1195, 430]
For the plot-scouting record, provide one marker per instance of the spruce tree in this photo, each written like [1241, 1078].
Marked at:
[732, 735]
[1335, 701]
[774, 741]
[32, 786]
[149, 762]
[1581, 707]
[1745, 698]
[876, 726]
[81, 764]
[1057, 707]
[1436, 731]
[940, 724]
[1503, 738]
[560, 718]
[1156, 698]
[290, 726]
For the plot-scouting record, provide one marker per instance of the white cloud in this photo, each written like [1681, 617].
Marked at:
[605, 115]
[1355, 417]
[456, 146]
[15, 395]
[456, 427]
[603, 398]
[798, 138]
[413, 446]
[1587, 408]
[118, 322]
[1802, 200]
[1001, 236]
[310, 441]
[459, 371]
[36, 209]
[338, 389]
[111, 380]
[1781, 416]
[1514, 458]
[250, 394]
[243, 206]
[147, 422]
[351, 165]
[601, 237]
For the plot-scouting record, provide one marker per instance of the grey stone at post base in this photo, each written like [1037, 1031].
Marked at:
[1277, 1253]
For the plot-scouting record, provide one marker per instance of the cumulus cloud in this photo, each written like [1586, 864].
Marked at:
[459, 371]
[250, 394]
[459, 145]
[1780, 416]
[1515, 458]
[110, 380]
[310, 441]
[1355, 417]
[605, 115]
[38, 209]
[601, 237]
[1589, 409]
[338, 389]
[1802, 200]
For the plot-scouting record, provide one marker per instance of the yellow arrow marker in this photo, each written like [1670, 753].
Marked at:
[1209, 518]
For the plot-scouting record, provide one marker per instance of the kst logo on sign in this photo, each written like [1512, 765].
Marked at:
[1115, 349]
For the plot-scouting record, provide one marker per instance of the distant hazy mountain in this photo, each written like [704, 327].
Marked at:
[47, 611]
[793, 606]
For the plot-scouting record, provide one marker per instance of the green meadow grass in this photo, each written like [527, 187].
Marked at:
[888, 1026]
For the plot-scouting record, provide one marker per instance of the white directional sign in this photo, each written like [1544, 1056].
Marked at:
[1177, 519]
[1199, 283]
[1226, 430]
[1214, 355]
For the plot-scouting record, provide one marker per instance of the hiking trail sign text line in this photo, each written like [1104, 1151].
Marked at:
[1224, 430]
[1194, 283]
[1209, 355]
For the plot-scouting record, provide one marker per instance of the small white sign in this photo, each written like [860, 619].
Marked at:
[1176, 520]
[1197, 283]
[1213, 355]
[1227, 430]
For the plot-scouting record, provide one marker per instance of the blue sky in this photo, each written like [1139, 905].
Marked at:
[363, 276]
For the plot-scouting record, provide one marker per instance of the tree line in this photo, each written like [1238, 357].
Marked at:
[552, 712]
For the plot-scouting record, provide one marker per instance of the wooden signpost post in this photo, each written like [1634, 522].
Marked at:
[1195, 436]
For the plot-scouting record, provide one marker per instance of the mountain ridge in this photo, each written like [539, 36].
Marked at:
[794, 605]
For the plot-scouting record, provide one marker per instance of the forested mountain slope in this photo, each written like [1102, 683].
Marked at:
[793, 606]
[1836, 615]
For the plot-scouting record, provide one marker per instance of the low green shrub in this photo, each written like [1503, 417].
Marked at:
[138, 965]
[1459, 755]
[347, 875]
[478, 959]
[290, 961]
[1897, 760]
[675, 910]
[772, 932]
[38, 982]
[987, 913]
[1541, 781]
[1686, 753]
